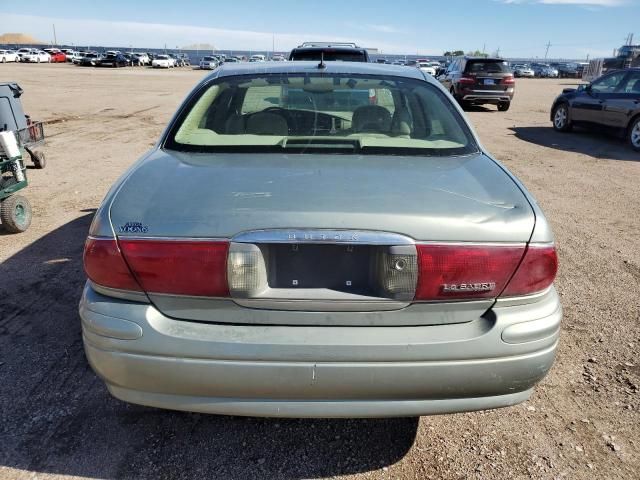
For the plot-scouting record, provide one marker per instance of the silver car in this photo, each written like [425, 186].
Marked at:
[208, 63]
[320, 239]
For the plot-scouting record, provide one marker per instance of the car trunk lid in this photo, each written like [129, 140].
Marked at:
[323, 225]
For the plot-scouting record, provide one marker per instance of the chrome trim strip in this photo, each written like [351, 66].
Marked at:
[173, 239]
[472, 244]
[372, 238]
[323, 236]
[118, 293]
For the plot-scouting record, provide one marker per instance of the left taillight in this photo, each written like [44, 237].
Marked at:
[105, 266]
[179, 267]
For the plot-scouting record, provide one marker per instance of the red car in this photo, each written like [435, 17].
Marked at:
[58, 57]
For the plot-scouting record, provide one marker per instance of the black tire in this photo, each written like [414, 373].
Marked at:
[15, 213]
[39, 160]
[461, 102]
[503, 106]
[560, 120]
[633, 134]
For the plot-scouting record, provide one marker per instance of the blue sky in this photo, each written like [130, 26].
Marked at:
[575, 28]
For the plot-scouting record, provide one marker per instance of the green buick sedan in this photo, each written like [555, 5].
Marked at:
[320, 239]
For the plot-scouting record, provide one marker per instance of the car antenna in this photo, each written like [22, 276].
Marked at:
[322, 65]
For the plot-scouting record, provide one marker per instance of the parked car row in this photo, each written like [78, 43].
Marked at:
[114, 58]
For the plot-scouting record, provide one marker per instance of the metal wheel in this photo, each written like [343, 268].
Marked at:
[561, 118]
[634, 134]
[15, 213]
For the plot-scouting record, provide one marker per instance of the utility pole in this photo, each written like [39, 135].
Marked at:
[547, 51]
[55, 40]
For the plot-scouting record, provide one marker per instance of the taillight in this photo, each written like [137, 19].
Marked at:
[105, 266]
[466, 272]
[467, 81]
[197, 268]
[509, 80]
[536, 272]
[453, 272]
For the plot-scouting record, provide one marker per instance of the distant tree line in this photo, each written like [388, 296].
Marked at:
[459, 53]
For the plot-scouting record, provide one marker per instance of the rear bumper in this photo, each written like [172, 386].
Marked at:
[483, 95]
[147, 358]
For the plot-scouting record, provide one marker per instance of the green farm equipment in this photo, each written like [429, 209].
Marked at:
[19, 137]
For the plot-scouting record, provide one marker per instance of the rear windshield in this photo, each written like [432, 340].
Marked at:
[319, 112]
[487, 66]
[329, 55]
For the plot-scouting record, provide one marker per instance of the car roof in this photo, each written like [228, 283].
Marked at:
[355, 68]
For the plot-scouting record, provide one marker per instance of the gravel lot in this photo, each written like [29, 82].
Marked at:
[58, 421]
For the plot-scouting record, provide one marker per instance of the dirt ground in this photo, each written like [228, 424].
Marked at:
[58, 421]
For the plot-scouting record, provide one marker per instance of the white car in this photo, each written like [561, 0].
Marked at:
[258, 58]
[524, 71]
[70, 53]
[163, 61]
[36, 56]
[143, 58]
[8, 56]
[208, 63]
[24, 51]
[426, 67]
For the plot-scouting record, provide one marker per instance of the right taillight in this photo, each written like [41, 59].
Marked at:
[467, 272]
[536, 272]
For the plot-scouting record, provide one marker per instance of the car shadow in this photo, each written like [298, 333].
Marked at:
[593, 144]
[57, 417]
[479, 108]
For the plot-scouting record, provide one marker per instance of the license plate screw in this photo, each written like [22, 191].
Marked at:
[295, 283]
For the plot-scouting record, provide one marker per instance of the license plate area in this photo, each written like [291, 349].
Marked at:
[343, 268]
